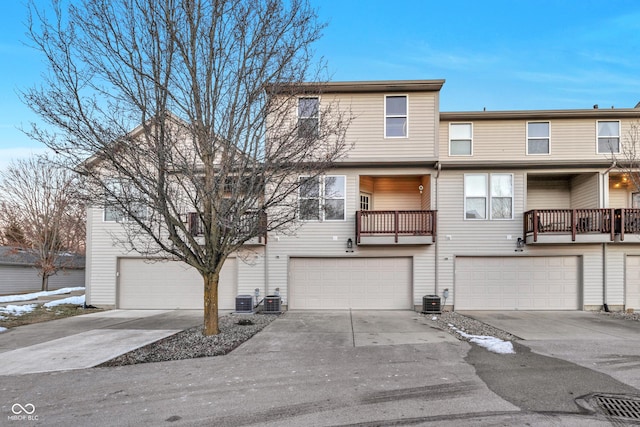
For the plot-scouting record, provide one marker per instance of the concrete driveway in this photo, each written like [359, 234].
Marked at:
[316, 330]
[88, 340]
[558, 325]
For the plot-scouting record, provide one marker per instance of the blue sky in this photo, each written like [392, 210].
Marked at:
[499, 55]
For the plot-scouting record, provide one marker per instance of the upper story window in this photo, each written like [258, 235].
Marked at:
[308, 117]
[488, 196]
[396, 116]
[117, 192]
[460, 139]
[322, 198]
[538, 136]
[608, 137]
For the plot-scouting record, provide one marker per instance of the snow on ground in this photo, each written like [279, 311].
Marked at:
[493, 344]
[18, 310]
[34, 295]
[2, 329]
[79, 300]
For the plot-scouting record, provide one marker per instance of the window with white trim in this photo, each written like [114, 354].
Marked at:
[118, 191]
[308, 117]
[322, 198]
[460, 139]
[538, 137]
[396, 116]
[488, 196]
[608, 137]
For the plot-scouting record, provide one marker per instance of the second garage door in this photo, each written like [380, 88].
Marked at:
[517, 283]
[632, 282]
[170, 285]
[358, 283]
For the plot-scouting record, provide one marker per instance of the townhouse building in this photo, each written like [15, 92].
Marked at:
[494, 210]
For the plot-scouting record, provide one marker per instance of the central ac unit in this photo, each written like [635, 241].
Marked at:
[244, 304]
[272, 304]
[431, 304]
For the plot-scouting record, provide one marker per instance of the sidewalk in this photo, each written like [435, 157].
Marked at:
[87, 340]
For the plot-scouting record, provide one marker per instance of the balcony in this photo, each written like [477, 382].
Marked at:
[249, 222]
[561, 226]
[395, 227]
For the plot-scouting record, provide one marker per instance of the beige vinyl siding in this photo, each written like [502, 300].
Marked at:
[548, 194]
[103, 253]
[329, 238]
[619, 198]
[584, 191]
[366, 131]
[459, 237]
[15, 279]
[505, 140]
[397, 193]
[425, 204]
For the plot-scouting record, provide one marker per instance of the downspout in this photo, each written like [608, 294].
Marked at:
[436, 274]
[605, 306]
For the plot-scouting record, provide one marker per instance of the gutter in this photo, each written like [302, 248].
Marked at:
[605, 306]
[436, 270]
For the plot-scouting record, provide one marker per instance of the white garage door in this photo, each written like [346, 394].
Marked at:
[632, 283]
[517, 283]
[341, 283]
[170, 285]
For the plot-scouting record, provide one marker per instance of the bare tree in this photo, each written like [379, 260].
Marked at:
[628, 158]
[41, 204]
[214, 88]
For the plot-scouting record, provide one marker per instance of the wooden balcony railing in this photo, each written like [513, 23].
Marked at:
[627, 222]
[395, 223]
[250, 222]
[581, 221]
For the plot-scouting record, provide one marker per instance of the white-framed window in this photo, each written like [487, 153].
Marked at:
[322, 198]
[538, 137]
[608, 136]
[308, 117]
[396, 116]
[460, 139]
[117, 189]
[488, 196]
[365, 201]
[635, 200]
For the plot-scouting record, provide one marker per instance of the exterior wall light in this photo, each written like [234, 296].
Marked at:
[421, 188]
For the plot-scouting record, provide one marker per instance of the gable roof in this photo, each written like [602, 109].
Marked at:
[10, 255]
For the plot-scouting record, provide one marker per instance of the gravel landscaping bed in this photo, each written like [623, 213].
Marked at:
[190, 343]
[468, 325]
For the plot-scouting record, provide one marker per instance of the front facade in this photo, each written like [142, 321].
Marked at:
[494, 210]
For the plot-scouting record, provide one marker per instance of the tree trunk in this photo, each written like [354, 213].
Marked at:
[45, 283]
[211, 304]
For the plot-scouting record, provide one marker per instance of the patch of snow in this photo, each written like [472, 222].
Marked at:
[2, 329]
[34, 295]
[434, 318]
[18, 310]
[493, 344]
[71, 300]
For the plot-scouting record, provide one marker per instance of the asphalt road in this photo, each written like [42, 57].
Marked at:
[305, 370]
[437, 384]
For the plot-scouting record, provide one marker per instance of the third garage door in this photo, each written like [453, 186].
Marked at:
[359, 283]
[517, 283]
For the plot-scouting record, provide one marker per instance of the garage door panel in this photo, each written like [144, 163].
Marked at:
[517, 283]
[144, 284]
[358, 283]
[632, 282]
